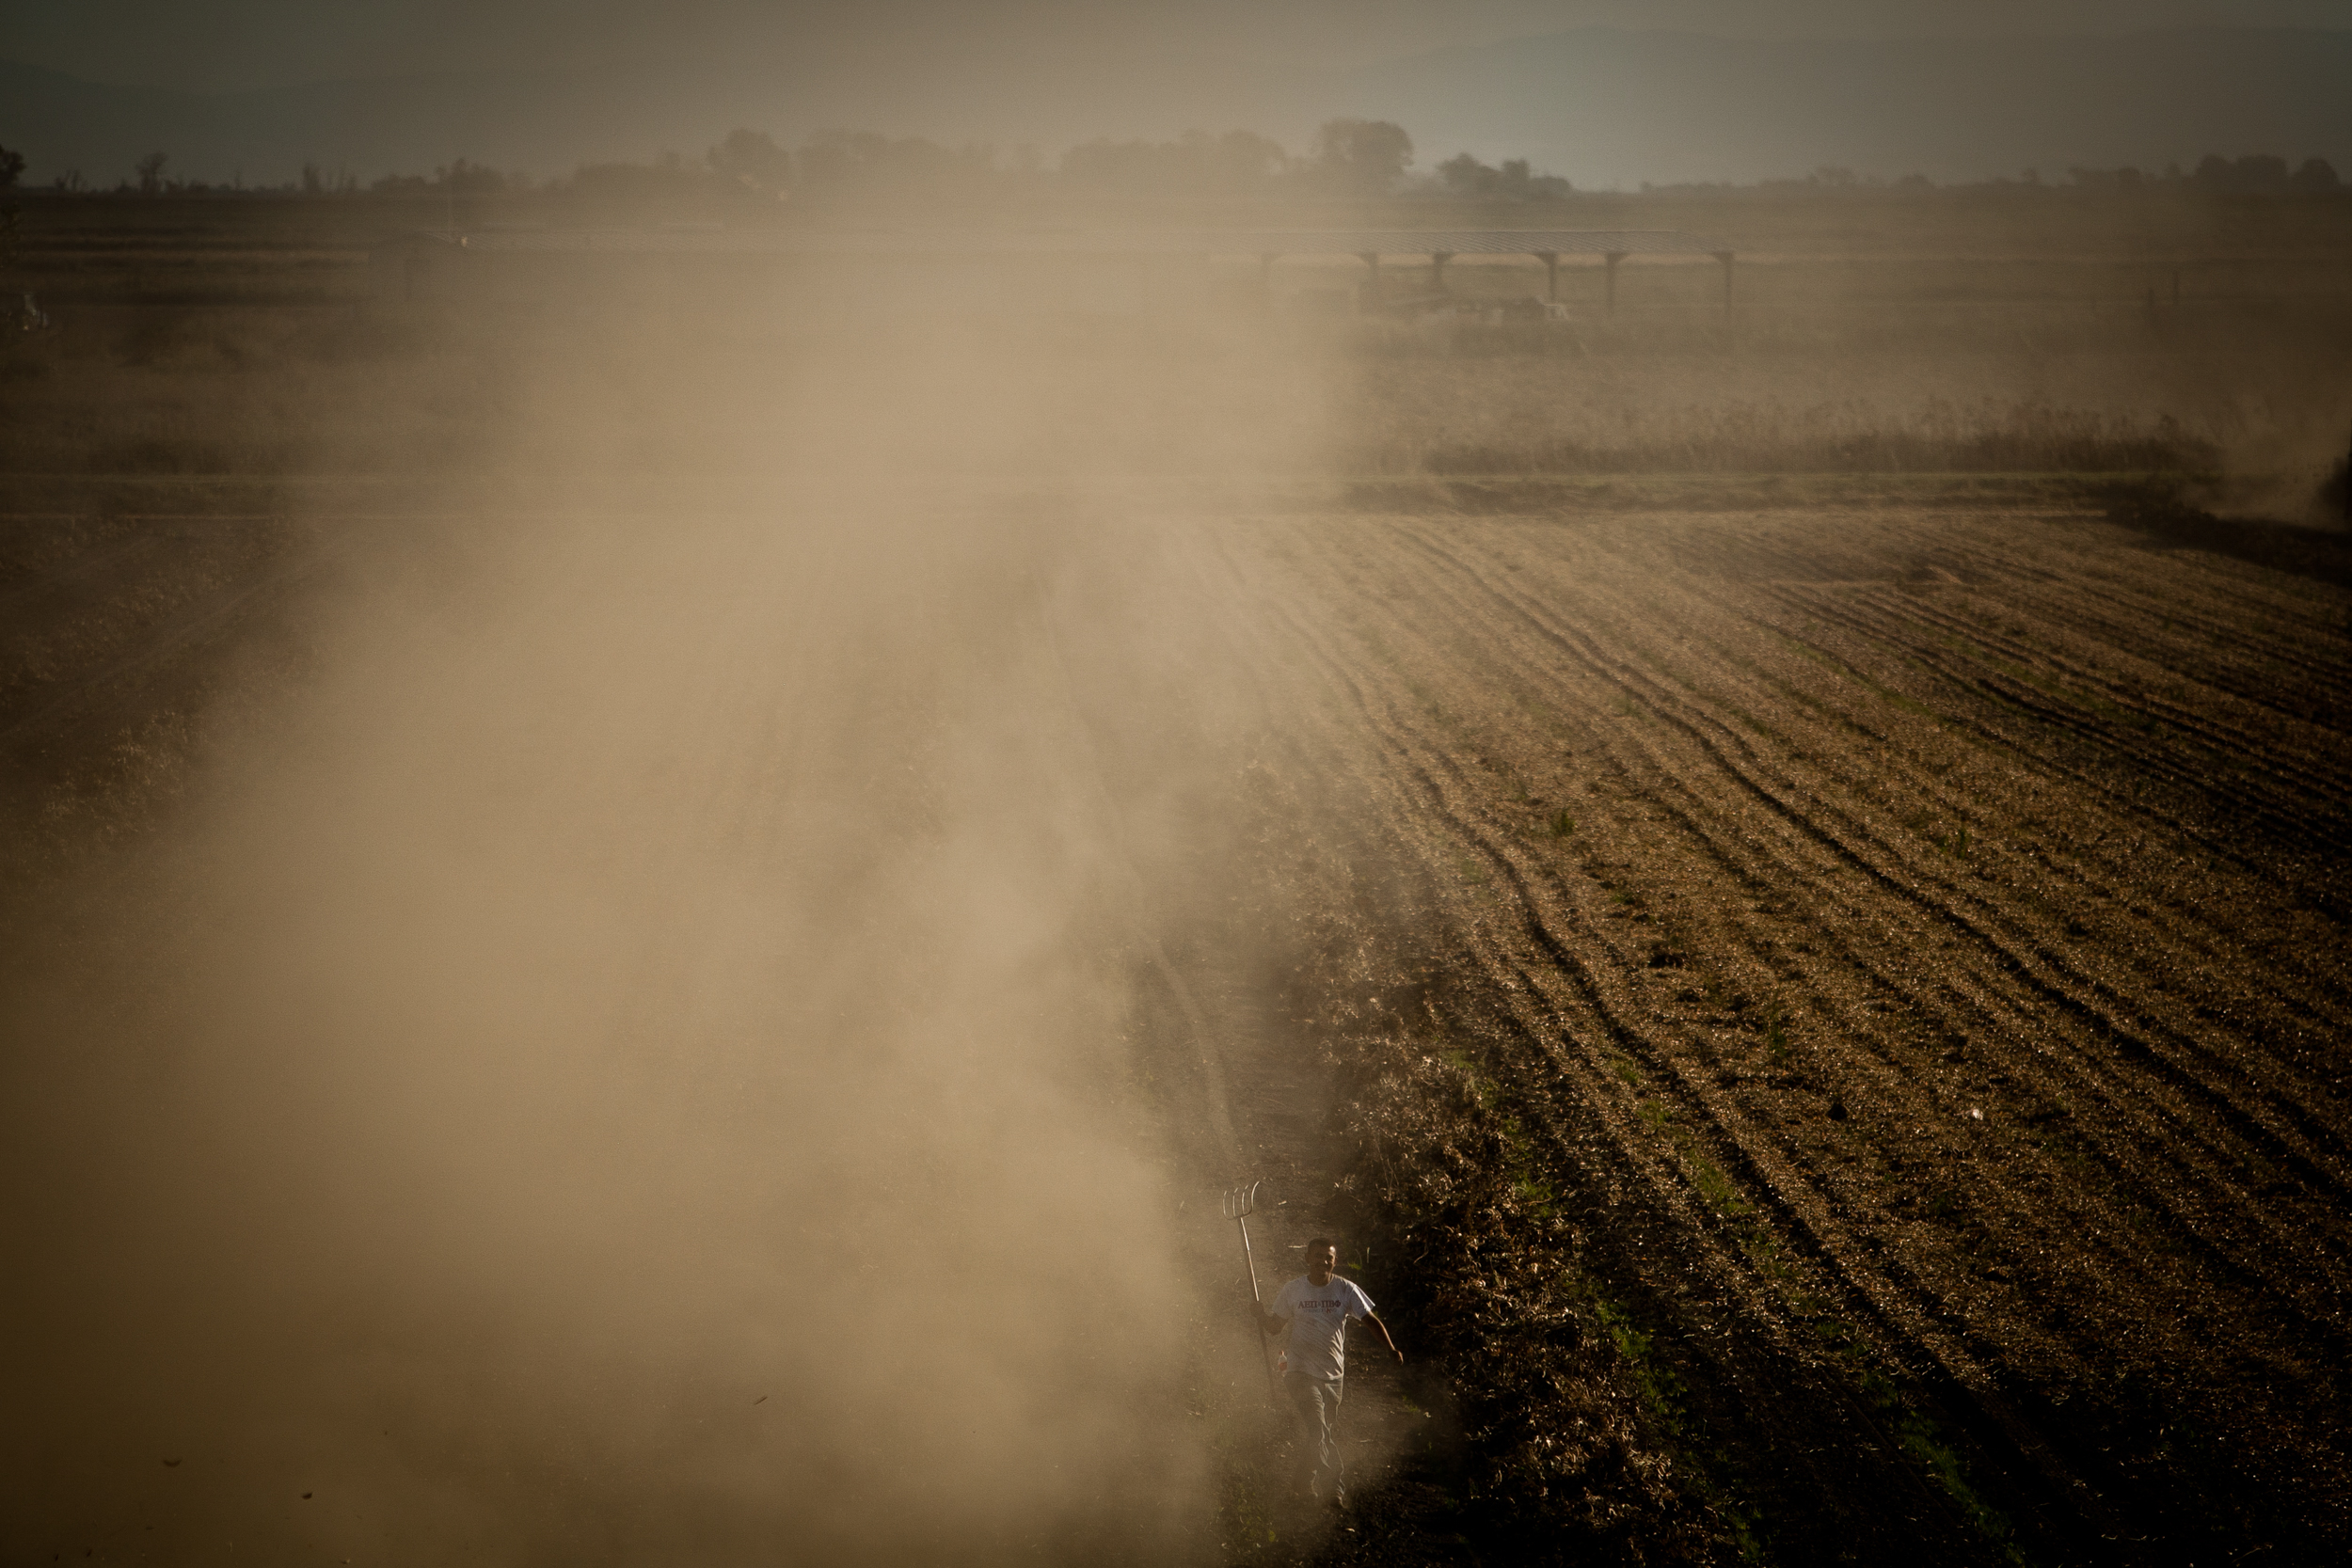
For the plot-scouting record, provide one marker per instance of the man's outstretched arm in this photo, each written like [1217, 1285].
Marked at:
[1374, 1319]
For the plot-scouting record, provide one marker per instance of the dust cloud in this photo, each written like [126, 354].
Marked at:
[644, 1051]
[638, 1058]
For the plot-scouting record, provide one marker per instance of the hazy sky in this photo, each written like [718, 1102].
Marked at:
[1643, 94]
[258, 42]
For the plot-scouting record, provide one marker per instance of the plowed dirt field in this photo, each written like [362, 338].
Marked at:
[1825, 1029]
[1847, 1043]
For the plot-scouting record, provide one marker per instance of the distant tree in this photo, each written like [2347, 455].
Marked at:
[752, 158]
[1464, 175]
[838, 158]
[2259, 171]
[1195, 163]
[150, 173]
[860, 161]
[664, 176]
[11, 166]
[313, 181]
[2318, 174]
[1364, 157]
[1106, 164]
[448, 180]
[1238, 160]
[2124, 178]
[466, 178]
[2262, 172]
[1519, 182]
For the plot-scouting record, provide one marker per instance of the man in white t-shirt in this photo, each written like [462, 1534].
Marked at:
[1316, 1307]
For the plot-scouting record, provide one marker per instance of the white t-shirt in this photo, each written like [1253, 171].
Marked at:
[1318, 1315]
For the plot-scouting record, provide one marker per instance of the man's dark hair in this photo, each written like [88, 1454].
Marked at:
[1318, 1244]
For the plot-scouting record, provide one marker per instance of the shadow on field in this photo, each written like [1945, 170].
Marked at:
[2164, 511]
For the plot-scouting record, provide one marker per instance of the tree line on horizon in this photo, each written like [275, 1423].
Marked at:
[1360, 158]
[1346, 157]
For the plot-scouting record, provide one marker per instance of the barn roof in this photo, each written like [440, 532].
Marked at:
[1189, 241]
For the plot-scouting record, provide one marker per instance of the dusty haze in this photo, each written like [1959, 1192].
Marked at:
[677, 1006]
[637, 1059]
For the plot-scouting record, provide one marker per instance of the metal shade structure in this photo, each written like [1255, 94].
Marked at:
[1441, 245]
[686, 239]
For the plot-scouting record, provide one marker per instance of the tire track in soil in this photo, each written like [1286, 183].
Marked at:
[2062, 986]
[1738, 1153]
[2308, 1086]
[2303, 1089]
[1657, 700]
[1747, 1379]
[2291, 762]
[1931, 1306]
[2127, 639]
[2129, 805]
[1781, 1369]
[2203, 835]
[2143, 605]
[2286, 823]
[2241, 1268]
[2297, 1104]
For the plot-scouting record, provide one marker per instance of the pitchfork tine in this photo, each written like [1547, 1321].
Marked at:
[1240, 1203]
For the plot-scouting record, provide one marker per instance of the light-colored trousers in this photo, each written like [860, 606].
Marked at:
[1321, 1465]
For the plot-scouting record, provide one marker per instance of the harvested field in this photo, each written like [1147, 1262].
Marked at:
[1873, 998]
[1776, 879]
[1822, 1026]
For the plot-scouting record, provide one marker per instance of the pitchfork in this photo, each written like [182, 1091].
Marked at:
[1240, 1204]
